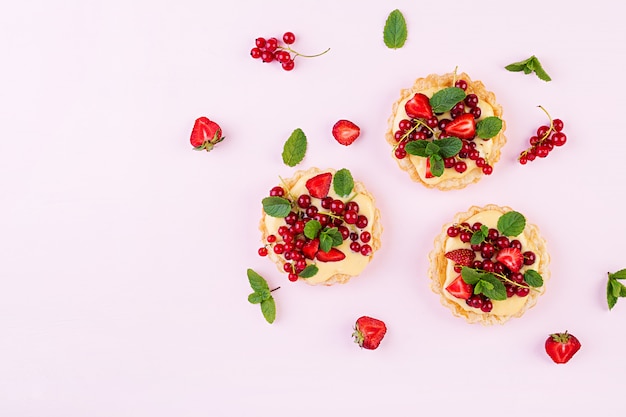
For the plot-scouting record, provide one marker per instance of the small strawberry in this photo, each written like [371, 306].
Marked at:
[512, 258]
[428, 173]
[562, 346]
[460, 289]
[205, 134]
[368, 332]
[345, 132]
[463, 127]
[419, 107]
[333, 255]
[310, 248]
[463, 257]
[319, 185]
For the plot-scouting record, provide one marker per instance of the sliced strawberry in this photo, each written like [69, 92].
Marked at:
[463, 127]
[333, 255]
[460, 289]
[205, 134]
[428, 173]
[345, 132]
[418, 107]
[463, 257]
[369, 332]
[319, 185]
[310, 248]
[512, 258]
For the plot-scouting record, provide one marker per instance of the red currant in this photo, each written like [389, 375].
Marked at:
[462, 84]
[255, 53]
[263, 251]
[289, 38]
[288, 65]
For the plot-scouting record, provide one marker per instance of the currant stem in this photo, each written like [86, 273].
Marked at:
[551, 124]
[275, 289]
[302, 55]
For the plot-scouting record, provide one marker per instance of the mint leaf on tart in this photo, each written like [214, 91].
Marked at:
[533, 278]
[276, 206]
[443, 100]
[436, 151]
[479, 236]
[529, 65]
[484, 283]
[395, 32]
[309, 271]
[511, 223]
[488, 127]
[614, 288]
[329, 238]
[312, 228]
[262, 295]
[294, 148]
[449, 147]
[343, 183]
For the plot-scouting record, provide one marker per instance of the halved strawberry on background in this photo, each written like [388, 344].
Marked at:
[369, 332]
[463, 127]
[345, 132]
[205, 134]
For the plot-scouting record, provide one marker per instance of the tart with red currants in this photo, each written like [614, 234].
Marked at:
[446, 131]
[489, 265]
[320, 226]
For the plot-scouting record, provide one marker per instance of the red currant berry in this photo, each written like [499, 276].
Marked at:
[471, 100]
[271, 239]
[337, 207]
[271, 44]
[352, 205]
[255, 53]
[476, 112]
[453, 231]
[400, 153]
[350, 216]
[279, 248]
[304, 201]
[522, 291]
[559, 139]
[287, 267]
[366, 250]
[361, 222]
[366, 236]
[260, 42]
[355, 246]
[292, 277]
[277, 192]
[460, 167]
[289, 38]
[345, 232]
[465, 236]
[263, 251]
[476, 226]
[462, 84]
[542, 131]
[288, 65]
[487, 306]
[529, 257]
[557, 124]
[267, 56]
[487, 170]
[523, 160]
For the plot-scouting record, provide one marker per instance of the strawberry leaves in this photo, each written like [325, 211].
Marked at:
[395, 32]
[262, 295]
[529, 65]
[294, 148]
[436, 151]
[614, 288]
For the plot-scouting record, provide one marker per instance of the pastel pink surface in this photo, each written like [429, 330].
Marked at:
[124, 252]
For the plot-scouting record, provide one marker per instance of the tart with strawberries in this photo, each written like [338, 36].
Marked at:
[320, 226]
[446, 131]
[489, 265]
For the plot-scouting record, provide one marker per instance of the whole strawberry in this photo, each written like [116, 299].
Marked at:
[205, 134]
[368, 332]
[562, 346]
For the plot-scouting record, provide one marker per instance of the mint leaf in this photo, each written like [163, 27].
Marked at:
[541, 73]
[330, 237]
[611, 298]
[431, 148]
[471, 276]
[529, 65]
[443, 100]
[621, 274]
[309, 271]
[493, 287]
[533, 278]
[262, 295]
[519, 66]
[312, 228]
[294, 148]
[416, 147]
[268, 308]
[255, 298]
[257, 282]
[343, 183]
[488, 127]
[395, 32]
[511, 223]
[616, 287]
[449, 147]
[436, 165]
[276, 206]
[479, 236]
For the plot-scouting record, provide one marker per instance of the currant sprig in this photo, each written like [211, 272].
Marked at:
[270, 50]
[546, 139]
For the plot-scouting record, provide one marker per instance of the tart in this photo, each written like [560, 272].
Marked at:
[320, 226]
[446, 131]
[489, 265]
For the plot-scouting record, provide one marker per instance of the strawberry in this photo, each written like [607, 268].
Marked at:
[460, 289]
[419, 107]
[512, 258]
[463, 257]
[428, 173]
[368, 332]
[562, 346]
[463, 127]
[333, 255]
[319, 185]
[345, 132]
[205, 134]
[310, 248]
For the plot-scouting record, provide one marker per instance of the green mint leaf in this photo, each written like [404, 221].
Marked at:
[541, 73]
[471, 276]
[443, 100]
[518, 66]
[511, 223]
[309, 271]
[622, 292]
[495, 290]
[335, 235]
[611, 298]
[257, 282]
[621, 274]
[268, 308]
[294, 148]
[255, 298]
[312, 228]
[276, 206]
[432, 148]
[449, 147]
[529, 65]
[395, 32]
[533, 278]
[343, 183]
[616, 287]
[326, 242]
[416, 147]
[479, 236]
[488, 127]
[436, 165]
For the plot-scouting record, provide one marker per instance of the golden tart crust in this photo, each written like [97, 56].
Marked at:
[437, 271]
[374, 226]
[473, 173]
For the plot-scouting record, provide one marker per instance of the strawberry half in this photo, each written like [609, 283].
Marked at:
[369, 332]
[512, 258]
[463, 127]
[205, 134]
[562, 346]
[333, 255]
[310, 248]
[319, 185]
[463, 257]
[418, 107]
[428, 173]
[460, 289]
[345, 132]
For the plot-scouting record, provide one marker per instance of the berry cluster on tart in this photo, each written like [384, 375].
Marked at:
[320, 226]
[446, 131]
[489, 265]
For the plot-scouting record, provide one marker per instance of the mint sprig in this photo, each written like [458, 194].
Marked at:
[262, 295]
[343, 183]
[294, 148]
[330, 237]
[395, 32]
[479, 236]
[529, 65]
[436, 151]
[484, 283]
[614, 288]
[276, 206]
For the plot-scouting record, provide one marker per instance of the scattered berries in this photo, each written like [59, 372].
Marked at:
[369, 332]
[345, 132]
[205, 134]
[271, 50]
[562, 346]
[545, 140]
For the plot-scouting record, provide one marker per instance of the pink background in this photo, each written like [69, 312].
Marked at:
[123, 253]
